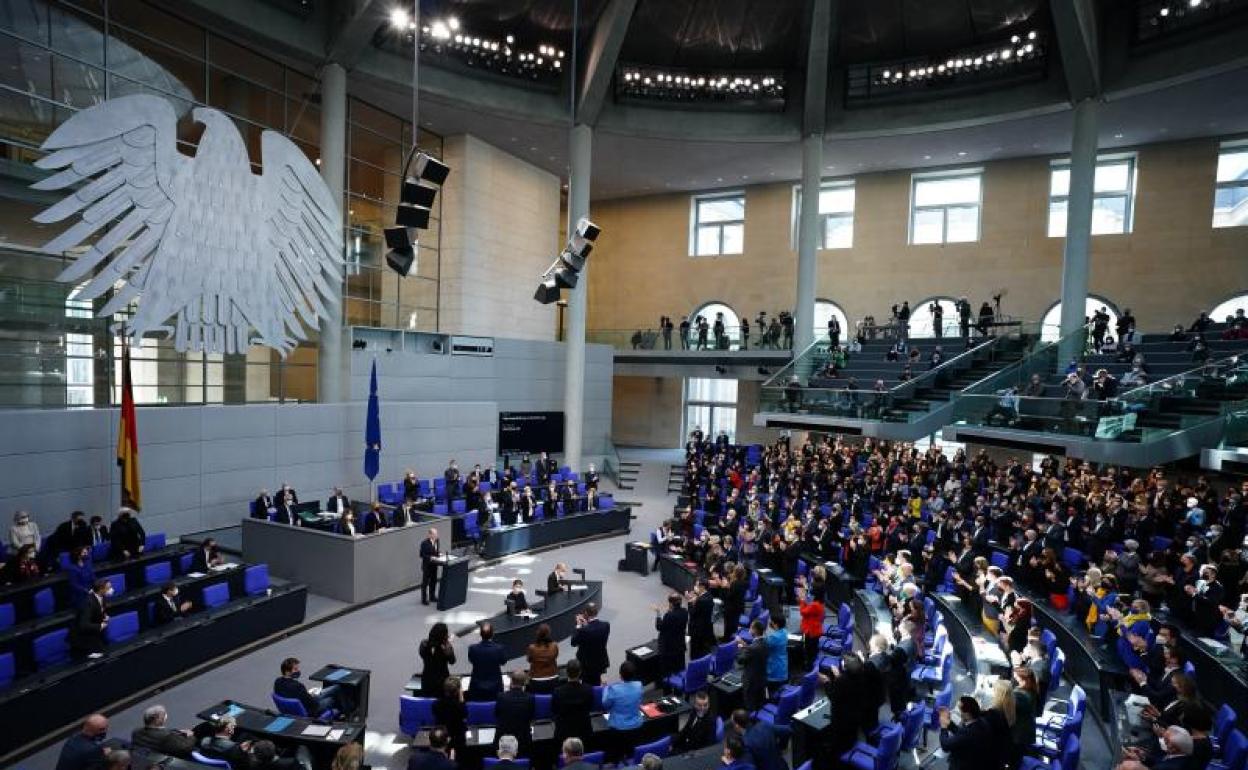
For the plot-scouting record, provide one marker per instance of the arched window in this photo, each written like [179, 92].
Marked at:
[711, 311]
[824, 310]
[1052, 322]
[1229, 308]
[922, 321]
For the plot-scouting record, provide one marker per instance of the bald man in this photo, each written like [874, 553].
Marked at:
[85, 750]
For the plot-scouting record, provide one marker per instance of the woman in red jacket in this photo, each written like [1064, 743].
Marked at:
[812, 613]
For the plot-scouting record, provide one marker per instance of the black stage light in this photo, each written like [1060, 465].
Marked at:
[565, 270]
[359, 345]
[401, 254]
[416, 197]
[547, 292]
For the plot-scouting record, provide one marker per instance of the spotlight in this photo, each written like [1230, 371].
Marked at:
[764, 371]
[564, 272]
[399, 18]
[401, 253]
[415, 207]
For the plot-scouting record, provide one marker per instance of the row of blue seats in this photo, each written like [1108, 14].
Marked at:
[99, 551]
[52, 649]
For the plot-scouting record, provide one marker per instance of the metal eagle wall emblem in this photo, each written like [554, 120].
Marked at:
[217, 256]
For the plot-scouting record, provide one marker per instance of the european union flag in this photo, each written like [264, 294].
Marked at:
[372, 431]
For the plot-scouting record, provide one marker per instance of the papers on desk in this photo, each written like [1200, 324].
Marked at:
[316, 731]
[485, 735]
[234, 710]
[229, 565]
[336, 735]
[812, 708]
[279, 724]
[795, 637]
[526, 614]
[338, 674]
[196, 574]
[642, 651]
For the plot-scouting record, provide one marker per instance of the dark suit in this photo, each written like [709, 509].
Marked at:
[513, 715]
[224, 748]
[374, 521]
[671, 628]
[85, 635]
[411, 489]
[428, 569]
[166, 610]
[969, 746]
[516, 602]
[199, 560]
[762, 747]
[338, 504]
[754, 674]
[697, 733]
[288, 687]
[80, 753]
[163, 741]
[571, 704]
[97, 535]
[487, 659]
[69, 535]
[554, 584]
[590, 641]
[701, 625]
[430, 760]
[260, 508]
[127, 537]
[286, 515]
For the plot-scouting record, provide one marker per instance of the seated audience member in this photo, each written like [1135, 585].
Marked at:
[338, 502]
[1175, 751]
[435, 757]
[346, 525]
[86, 634]
[622, 700]
[264, 506]
[156, 736]
[288, 686]
[543, 658]
[206, 556]
[573, 753]
[375, 520]
[23, 567]
[221, 744]
[557, 580]
[571, 705]
[509, 751]
[24, 532]
[167, 607]
[284, 507]
[699, 729]
[450, 712]
[85, 750]
[71, 534]
[516, 602]
[127, 535]
[513, 713]
[80, 573]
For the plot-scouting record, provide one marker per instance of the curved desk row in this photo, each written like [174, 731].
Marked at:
[287, 732]
[559, 610]
[41, 704]
[501, 541]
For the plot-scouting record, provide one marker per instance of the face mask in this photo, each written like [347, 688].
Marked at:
[296, 674]
[109, 593]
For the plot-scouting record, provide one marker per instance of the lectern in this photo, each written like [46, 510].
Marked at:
[453, 584]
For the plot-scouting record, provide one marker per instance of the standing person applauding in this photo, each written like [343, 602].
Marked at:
[437, 655]
[671, 627]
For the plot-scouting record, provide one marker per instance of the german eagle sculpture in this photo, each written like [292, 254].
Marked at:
[201, 242]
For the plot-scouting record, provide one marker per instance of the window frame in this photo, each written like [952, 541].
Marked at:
[696, 225]
[711, 406]
[1225, 148]
[919, 177]
[824, 186]
[1128, 221]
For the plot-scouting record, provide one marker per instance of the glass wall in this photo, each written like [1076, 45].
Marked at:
[60, 57]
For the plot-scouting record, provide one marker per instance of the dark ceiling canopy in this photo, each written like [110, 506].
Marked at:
[532, 21]
[716, 34]
[882, 30]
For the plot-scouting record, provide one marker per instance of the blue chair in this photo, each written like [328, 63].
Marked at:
[864, 756]
[415, 714]
[719, 729]
[459, 505]
[661, 748]
[472, 529]
[210, 761]
[606, 501]
[543, 706]
[216, 595]
[51, 649]
[598, 691]
[118, 579]
[780, 714]
[808, 685]
[805, 765]
[1068, 760]
[480, 712]
[694, 677]
[293, 707]
[492, 761]
[7, 616]
[8, 669]
[937, 675]
[1223, 723]
[440, 509]
[1234, 753]
[44, 602]
[1073, 558]
[725, 658]
[423, 489]
[1001, 560]
[931, 714]
[184, 563]
[912, 727]
[1075, 708]
[99, 551]
[156, 574]
[256, 579]
[155, 541]
[539, 512]
[122, 627]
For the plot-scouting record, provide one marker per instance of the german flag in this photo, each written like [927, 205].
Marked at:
[128, 438]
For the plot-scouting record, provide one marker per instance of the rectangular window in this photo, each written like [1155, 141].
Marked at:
[711, 404]
[1230, 197]
[944, 207]
[1113, 197]
[836, 214]
[718, 225]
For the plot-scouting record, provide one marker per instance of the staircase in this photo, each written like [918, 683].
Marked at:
[629, 469]
[675, 478]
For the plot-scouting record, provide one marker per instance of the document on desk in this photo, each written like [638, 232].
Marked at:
[642, 651]
[485, 735]
[196, 574]
[578, 587]
[279, 724]
[316, 731]
[335, 735]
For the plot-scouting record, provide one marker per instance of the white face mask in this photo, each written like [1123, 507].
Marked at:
[108, 593]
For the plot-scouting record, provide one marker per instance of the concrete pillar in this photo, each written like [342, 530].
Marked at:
[580, 152]
[329, 369]
[808, 242]
[1078, 226]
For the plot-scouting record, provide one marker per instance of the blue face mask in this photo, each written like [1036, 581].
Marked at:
[296, 674]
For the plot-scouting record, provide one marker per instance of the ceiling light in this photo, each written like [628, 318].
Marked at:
[453, 23]
[1014, 39]
[1165, 11]
[961, 154]
[510, 39]
[1031, 35]
[399, 18]
[1194, 3]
